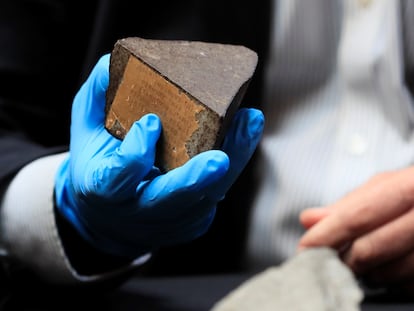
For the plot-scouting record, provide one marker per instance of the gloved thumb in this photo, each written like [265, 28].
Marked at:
[119, 174]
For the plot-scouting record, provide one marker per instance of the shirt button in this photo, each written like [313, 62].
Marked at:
[357, 146]
[365, 3]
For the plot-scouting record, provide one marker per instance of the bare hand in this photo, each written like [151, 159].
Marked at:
[372, 228]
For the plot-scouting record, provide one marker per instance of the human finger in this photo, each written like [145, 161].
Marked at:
[397, 271]
[389, 247]
[380, 200]
[311, 216]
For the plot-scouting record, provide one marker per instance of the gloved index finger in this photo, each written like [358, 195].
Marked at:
[185, 185]
[88, 111]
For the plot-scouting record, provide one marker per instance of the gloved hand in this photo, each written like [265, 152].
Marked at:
[110, 191]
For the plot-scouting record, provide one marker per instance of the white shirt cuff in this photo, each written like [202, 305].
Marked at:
[28, 228]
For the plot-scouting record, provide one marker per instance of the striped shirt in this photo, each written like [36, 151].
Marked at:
[337, 112]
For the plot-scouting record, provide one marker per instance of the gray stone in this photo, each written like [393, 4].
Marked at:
[313, 280]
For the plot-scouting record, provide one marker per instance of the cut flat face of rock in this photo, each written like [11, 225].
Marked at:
[194, 87]
[314, 280]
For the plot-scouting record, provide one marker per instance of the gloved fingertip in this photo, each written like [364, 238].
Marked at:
[151, 122]
[255, 123]
[101, 71]
[204, 168]
[141, 139]
[103, 62]
[217, 162]
[145, 130]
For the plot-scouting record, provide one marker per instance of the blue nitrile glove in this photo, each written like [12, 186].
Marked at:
[110, 191]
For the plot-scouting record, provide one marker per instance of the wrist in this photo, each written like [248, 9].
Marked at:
[80, 237]
[84, 257]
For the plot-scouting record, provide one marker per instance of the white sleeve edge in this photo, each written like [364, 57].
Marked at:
[28, 228]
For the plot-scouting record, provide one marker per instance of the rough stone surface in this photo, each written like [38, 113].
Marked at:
[194, 87]
[313, 280]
